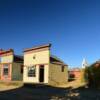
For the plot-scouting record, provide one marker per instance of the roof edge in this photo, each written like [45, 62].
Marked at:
[58, 59]
[6, 51]
[37, 47]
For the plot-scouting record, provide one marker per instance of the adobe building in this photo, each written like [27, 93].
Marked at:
[43, 68]
[11, 66]
[75, 74]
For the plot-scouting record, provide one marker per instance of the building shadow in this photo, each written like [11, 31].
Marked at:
[44, 92]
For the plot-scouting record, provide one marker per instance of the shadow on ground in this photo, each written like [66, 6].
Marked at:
[43, 92]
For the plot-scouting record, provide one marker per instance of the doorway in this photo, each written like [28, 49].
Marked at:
[41, 75]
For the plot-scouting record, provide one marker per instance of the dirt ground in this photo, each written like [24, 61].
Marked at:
[41, 92]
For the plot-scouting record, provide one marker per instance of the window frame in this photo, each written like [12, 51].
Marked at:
[32, 72]
[5, 69]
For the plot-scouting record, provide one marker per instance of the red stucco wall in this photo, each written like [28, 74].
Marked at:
[8, 77]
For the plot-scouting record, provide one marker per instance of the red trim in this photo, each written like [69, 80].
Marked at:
[3, 53]
[37, 47]
[36, 50]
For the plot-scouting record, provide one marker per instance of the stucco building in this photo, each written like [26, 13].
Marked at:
[41, 67]
[11, 66]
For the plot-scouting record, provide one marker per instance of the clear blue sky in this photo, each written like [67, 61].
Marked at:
[72, 26]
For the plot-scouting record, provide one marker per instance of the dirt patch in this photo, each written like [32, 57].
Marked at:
[10, 85]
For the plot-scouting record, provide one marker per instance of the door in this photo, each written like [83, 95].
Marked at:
[41, 73]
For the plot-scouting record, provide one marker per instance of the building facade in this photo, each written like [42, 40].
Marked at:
[75, 74]
[11, 66]
[41, 67]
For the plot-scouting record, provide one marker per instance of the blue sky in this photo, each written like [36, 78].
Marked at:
[72, 26]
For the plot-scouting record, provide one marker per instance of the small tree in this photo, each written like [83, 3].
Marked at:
[93, 72]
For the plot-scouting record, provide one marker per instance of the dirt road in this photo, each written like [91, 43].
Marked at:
[73, 91]
[50, 93]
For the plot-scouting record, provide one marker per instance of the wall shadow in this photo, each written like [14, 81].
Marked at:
[43, 92]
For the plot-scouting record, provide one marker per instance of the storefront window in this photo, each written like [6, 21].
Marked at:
[32, 71]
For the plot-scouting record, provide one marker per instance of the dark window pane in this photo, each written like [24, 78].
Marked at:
[5, 69]
[62, 68]
[32, 71]
[22, 69]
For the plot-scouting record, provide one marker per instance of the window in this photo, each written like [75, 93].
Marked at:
[5, 69]
[62, 68]
[21, 71]
[32, 71]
